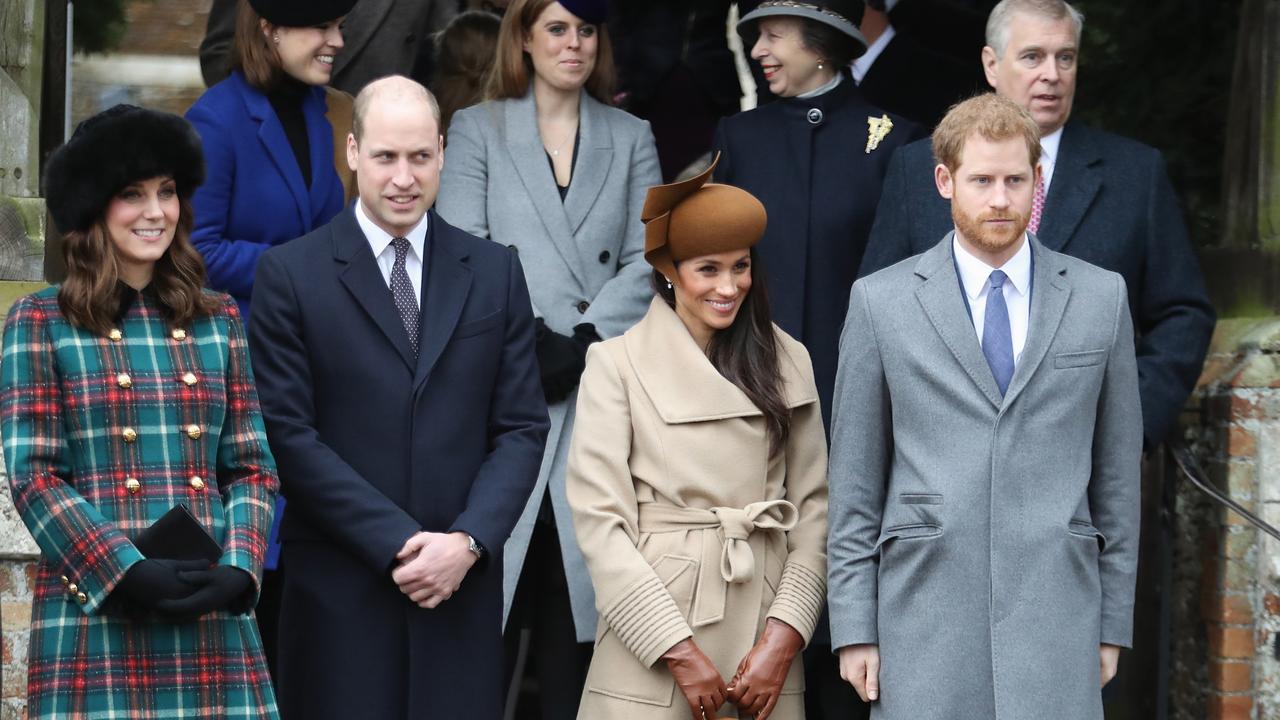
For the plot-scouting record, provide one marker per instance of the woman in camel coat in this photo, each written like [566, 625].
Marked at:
[698, 487]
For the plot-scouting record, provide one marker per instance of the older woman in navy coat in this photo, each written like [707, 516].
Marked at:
[816, 158]
[268, 145]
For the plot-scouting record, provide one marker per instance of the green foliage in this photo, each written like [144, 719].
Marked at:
[1161, 73]
[98, 25]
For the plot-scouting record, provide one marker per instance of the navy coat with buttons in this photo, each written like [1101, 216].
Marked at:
[808, 161]
[374, 445]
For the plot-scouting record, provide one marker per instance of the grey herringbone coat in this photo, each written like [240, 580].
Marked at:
[583, 259]
[987, 544]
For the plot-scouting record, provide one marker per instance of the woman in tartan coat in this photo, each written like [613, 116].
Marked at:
[123, 393]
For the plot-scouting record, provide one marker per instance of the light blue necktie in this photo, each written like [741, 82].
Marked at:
[997, 339]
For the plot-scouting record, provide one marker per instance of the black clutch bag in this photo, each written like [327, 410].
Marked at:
[177, 535]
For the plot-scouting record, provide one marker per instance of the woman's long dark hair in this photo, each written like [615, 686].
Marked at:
[88, 296]
[746, 353]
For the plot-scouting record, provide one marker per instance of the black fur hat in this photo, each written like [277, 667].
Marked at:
[301, 13]
[116, 147]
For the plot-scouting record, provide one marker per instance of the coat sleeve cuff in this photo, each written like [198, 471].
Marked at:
[1116, 631]
[801, 594]
[96, 594]
[647, 621]
[852, 622]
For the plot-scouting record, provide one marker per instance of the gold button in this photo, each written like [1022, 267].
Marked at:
[65, 580]
[82, 598]
[179, 334]
[132, 485]
[197, 483]
[115, 334]
[73, 589]
[189, 378]
[193, 431]
[124, 381]
[129, 434]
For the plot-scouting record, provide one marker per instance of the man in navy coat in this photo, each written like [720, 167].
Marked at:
[395, 364]
[1105, 199]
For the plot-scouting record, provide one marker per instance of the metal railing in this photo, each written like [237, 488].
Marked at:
[1191, 470]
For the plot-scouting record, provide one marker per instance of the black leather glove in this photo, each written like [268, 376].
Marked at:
[561, 360]
[152, 581]
[220, 588]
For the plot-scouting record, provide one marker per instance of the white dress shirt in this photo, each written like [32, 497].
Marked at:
[385, 252]
[862, 64]
[1049, 156]
[975, 277]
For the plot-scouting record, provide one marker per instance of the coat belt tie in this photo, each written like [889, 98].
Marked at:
[736, 561]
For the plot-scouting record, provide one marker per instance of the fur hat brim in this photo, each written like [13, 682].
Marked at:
[116, 147]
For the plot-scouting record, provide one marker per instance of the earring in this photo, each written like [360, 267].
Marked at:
[276, 39]
[820, 66]
[668, 284]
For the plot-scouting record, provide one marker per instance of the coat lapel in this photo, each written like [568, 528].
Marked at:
[530, 159]
[668, 363]
[271, 134]
[941, 297]
[1050, 291]
[364, 281]
[1077, 178]
[595, 155]
[320, 140]
[444, 292]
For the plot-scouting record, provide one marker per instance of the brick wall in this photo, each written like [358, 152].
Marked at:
[1225, 665]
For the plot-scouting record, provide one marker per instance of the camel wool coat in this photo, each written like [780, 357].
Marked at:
[688, 526]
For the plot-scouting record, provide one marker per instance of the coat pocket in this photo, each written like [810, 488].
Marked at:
[475, 327]
[919, 499]
[1079, 359]
[615, 672]
[1082, 528]
[913, 531]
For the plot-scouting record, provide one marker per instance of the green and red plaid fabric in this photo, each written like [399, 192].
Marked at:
[101, 437]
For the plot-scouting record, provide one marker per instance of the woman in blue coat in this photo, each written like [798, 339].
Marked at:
[270, 157]
[267, 143]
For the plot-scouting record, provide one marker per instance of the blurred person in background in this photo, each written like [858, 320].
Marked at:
[465, 52]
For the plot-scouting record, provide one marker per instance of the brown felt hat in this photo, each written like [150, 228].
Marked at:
[694, 217]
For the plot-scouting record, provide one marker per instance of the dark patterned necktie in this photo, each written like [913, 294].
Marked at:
[402, 293]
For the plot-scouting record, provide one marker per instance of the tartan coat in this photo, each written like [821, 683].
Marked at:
[102, 436]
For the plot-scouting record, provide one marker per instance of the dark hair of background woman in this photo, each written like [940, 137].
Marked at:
[834, 47]
[251, 52]
[89, 297]
[464, 58]
[746, 354]
[513, 69]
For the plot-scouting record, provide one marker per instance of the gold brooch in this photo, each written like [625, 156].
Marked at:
[877, 130]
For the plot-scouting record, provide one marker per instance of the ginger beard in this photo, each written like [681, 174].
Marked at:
[991, 231]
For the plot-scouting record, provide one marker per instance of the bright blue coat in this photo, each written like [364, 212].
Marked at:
[254, 197]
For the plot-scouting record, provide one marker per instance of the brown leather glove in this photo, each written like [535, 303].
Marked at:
[758, 683]
[698, 679]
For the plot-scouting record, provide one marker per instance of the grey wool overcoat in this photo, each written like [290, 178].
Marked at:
[988, 544]
[583, 259]
[690, 527]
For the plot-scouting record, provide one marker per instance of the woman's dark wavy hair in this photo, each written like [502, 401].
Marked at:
[746, 353]
[89, 297]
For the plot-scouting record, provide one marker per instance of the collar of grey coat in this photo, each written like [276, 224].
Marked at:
[682, 383]
[562, 219]
[939, 294]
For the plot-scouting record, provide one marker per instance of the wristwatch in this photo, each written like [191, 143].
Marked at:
[475, 547]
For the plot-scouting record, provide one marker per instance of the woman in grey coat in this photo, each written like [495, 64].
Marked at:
[549, 169]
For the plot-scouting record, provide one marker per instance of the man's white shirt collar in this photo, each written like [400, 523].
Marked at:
[975, 274]
[379, 239]
[1049, 145]
[862, 64]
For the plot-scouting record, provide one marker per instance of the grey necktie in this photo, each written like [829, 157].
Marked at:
[997, 338]
[402, 293]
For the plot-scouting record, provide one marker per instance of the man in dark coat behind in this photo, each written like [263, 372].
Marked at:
[1106, 200]
[394, 358]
